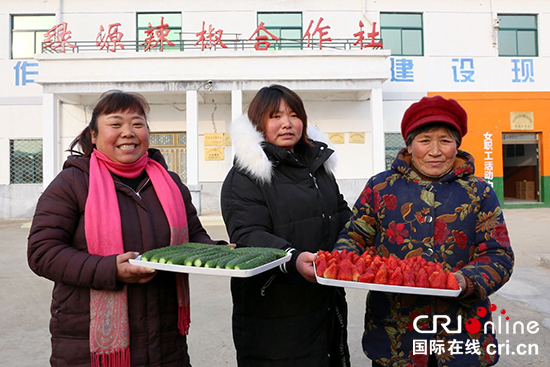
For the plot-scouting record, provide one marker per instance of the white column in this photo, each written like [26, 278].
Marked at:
[236, 103]
[192, 115]
[236, 111]
[50, 138]
[378, 142]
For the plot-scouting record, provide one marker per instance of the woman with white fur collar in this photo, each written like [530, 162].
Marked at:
[281, 192]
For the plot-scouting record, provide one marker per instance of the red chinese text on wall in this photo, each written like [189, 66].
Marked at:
[111, 39]
[57, 38]
[210, 38]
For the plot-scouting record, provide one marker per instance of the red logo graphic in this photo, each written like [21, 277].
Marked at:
[473, 325]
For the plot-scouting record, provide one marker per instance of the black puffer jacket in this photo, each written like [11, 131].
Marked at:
[57, 250]
[273, 198]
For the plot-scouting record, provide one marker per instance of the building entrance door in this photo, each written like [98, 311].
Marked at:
[521, 166]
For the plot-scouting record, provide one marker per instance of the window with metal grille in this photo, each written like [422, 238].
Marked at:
[394, 142]
[285, 26]
[402, 33]
[166, 24]
[26, 161]
[173, 147]
[517, 35]
[27, 34]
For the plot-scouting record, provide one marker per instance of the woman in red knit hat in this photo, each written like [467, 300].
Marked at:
[431, 204]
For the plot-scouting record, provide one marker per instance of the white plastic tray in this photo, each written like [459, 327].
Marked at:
[211, 271]
[387, 288]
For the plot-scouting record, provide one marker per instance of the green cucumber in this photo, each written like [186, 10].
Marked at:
[181, 252]
[191, 259]
[261, 250]
[153, 255]
[181, 259]
[196, 245]
[156, 254]
[223, 262]
[257, 261]
[239, 259]
[220, 252]
[212, 263]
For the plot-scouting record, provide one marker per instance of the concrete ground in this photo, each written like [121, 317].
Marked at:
[25, 300]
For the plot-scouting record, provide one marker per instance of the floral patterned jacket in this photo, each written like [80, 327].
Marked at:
[456, 221]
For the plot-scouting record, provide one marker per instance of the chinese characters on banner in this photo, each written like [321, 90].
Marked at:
[262, 43]
[57, 38]
[318, 29]
[22, 72]
[466, 69]
[210, 39]
[113, 36]
[372, 35]
[488, 158]
[463, 71]
[402, 70]
[523, 71]
[156, 35]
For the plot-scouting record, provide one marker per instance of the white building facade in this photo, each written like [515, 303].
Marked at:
[200, 63]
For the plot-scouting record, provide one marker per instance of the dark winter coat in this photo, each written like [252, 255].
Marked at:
[456, 221]
[57, 250]
[274, 198]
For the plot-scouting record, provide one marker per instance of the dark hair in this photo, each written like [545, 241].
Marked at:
[110, 102]
[432, 126]
[266, 103]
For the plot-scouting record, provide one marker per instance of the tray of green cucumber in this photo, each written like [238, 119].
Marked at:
[199, 258]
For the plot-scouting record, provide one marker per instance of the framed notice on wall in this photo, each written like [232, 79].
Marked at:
[213, 139]
[213, 154]
[522, 121]
[357, 138]
[336, 138]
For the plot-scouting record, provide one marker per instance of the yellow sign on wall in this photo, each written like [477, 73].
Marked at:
[227, 139]
[213, 154]
[357, 138]
[336, 138]
[213, 139]
[522, 121]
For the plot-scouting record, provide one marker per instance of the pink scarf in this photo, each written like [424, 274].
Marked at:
[109, 326]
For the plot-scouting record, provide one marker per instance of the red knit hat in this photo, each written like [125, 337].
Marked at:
[434, 109]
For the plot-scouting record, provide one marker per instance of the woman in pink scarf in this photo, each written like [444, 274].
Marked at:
[114, 200]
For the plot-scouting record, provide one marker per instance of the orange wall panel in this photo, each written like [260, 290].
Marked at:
[490, 112]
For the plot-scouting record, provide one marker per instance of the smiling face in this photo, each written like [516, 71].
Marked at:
[433, 151]
[122, 136]
[284, 128]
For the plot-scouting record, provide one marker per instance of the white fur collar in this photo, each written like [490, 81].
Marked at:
[250, 156]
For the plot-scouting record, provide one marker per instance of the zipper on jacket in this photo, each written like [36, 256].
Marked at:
[142, 187]
[267, 284]
[139, 190]
[320, 195]
[314, 181]
[324, 209]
